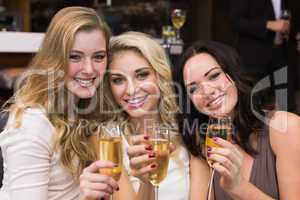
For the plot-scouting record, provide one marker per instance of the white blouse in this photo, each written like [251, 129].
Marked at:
[31, 170]
[176, 185]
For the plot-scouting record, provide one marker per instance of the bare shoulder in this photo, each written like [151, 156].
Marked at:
[284, 130]
[199, 164]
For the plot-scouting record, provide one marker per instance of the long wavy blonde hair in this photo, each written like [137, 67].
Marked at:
[43, 87]
[151, 50]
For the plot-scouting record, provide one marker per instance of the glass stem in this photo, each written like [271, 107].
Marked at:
[178, 34]
[156, 192]
[111, 197]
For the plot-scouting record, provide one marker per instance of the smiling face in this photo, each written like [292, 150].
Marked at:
[134, 84]
[210, 89]
[87, 63]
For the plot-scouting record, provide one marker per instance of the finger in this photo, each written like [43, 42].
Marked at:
[142, 171]
[94, 167]
[224, 161]
[138, 139]
[228, 145]
[223, 171]
[137, 150]
[136, 162]
[88, 178]
[101, 187]
[221, 142]
[230, 153]
[93, 194]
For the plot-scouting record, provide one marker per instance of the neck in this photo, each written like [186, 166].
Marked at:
[142, 123]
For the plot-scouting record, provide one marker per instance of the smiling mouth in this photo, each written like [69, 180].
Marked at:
[216, 103]
[84, 82]
[136, 102]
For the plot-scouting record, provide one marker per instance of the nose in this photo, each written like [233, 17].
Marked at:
[131, 87]
[208, 89]
[88, 66]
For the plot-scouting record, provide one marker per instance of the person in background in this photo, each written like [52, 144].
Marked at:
[45, 142]
[255, 163]
[139, 78]
[262, 42]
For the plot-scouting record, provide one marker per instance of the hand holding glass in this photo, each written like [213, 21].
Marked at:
[217, 127]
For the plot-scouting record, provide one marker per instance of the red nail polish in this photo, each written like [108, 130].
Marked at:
[215, 139]
[146, 137]
[208, 148]
[149, 148]
[208, 154]
[153, 166]
[151, 155]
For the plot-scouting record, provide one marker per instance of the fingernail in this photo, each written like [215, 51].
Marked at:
[208, 154]
[153, 166]
[215, 139]
[118, 188]
[151, 155]
[208, 148]
[148, 148]
[146, 137]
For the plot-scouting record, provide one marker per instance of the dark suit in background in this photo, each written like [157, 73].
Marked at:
[255, 43]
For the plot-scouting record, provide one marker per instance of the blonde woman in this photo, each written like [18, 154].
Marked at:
[139, 78]
[45, 143]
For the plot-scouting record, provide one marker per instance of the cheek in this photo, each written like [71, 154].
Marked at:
[233, 95]
[73, 69]
[117, 91]
[198, 102]
[150, 86]
[101, 68]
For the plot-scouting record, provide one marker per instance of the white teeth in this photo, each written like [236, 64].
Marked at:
[136, 100]
[216, 101]
[85, 82]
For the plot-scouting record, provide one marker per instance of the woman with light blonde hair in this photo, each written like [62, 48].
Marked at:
[45, 143]
[142, 96]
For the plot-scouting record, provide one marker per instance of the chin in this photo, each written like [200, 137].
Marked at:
[136, 113]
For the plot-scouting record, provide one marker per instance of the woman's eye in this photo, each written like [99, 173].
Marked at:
[142, 75]
[214, 76]
[74, 58]
[117, 81]
[99, 57]
[192, 89]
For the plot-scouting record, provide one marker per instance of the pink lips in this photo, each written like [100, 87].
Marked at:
[135, 103]
[135, 106]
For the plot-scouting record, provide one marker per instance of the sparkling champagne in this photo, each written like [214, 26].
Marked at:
[111, 149]
[216, 130]
[161, 149]
[178, 21]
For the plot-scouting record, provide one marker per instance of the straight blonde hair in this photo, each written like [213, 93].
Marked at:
[43, 86]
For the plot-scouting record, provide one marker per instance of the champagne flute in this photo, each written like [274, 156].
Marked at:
[160, 141]
[178, 17]
[109, 148]
[217, 127]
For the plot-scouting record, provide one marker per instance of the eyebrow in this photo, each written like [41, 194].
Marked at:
[137, 71]
[141, 69]
[206, 73]
[77, 51]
